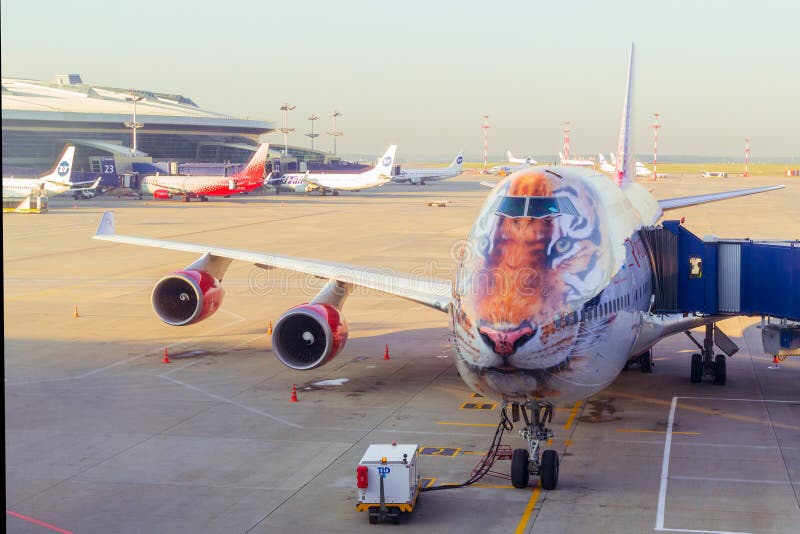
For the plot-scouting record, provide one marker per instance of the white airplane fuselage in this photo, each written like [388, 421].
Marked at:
[25, 187]
[419, 176]
[550, 307]
[348, 182]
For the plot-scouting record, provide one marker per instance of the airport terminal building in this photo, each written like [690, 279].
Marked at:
[40, 117]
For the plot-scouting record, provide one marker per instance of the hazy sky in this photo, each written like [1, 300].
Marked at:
[422, 74]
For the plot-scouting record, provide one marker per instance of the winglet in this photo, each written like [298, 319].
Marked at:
[106, 226]
[625, 157]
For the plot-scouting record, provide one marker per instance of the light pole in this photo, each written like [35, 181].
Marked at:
[746, 156]
[485, 142]
[286, 108]
[312, 135]
[134, 125]
[335, 133]
[656, 126]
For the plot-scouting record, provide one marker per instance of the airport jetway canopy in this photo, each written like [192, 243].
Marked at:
[723, 276]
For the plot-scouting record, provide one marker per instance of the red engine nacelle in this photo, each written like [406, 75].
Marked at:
[187, 297]
[309, 335]
[162, 194]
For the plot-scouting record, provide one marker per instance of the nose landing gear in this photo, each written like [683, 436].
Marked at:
[532, 461]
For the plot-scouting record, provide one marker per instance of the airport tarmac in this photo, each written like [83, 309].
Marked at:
[101, 436]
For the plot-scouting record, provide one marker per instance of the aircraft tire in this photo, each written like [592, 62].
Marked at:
[719, 370]
[697, 368]
[520, 473]
[549, 470]
[646, 361]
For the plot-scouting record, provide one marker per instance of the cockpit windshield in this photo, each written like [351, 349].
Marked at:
[535, 207]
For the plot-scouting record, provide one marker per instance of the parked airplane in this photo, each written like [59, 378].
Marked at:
[505, 170]
[420, 176]
[527, 161]
[335, 182]
[606, 166]
[52, 183]
[202, 187]
[641, 170]
[551, 298]
[575, 162]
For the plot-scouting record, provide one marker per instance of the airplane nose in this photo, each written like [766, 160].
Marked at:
[506, 342]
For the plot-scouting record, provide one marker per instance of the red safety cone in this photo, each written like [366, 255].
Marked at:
[165, 359]
[775, 362]
[386, 353]
[75, 313]
[294, 394]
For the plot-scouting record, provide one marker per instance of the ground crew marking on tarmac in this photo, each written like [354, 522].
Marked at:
[476, 396]
[572, 413]
[478, 406]
[523, 522]
[630, 431]
[37, 522]
[465, 424]
[426, 482]
[439, 451]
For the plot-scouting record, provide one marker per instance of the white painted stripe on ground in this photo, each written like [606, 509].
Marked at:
[232, 402]
[741, 400]
[736, 480]
[662, 490]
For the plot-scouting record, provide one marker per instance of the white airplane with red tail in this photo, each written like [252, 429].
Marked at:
[551, 298]
[202, 187]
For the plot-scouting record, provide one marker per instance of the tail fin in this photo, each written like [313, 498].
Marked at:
[613, 159]
[386, 162]
[458, 160]
[257, 164]
[561, 158]
[602, 159]
[509, 156]
[62, 170]
[625, 157]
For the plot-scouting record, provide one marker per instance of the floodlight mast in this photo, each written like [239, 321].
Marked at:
[656, 126]
[566, 143]
[485, 142]
[335, 133]
[746, 156]
[286, 108]
[134, 125]
[312, 135]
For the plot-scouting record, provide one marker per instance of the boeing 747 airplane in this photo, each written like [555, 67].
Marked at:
[420, 176]
[549, 302]
[202, 187]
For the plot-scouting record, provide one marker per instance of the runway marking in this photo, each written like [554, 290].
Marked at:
[37, 522]
[656, 432]
[439, 451]
[523, 522]
[232, 402]
[478, 406]
[735, 480]
[464, 424]
[662, 491]
[572, 413]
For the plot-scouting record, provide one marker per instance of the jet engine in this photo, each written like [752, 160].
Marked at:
[309, 335]
[161, 194]
[186, 297]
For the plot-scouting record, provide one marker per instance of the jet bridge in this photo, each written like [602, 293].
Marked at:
[714, 276]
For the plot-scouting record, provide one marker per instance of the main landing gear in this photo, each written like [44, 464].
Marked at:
[644, 361]
[705, 363]
[531, 461]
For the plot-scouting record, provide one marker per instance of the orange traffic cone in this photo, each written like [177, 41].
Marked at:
[294, 394]
[165, 359]
[269, 329]
[386, 353]
[775, 362]
[75, 313]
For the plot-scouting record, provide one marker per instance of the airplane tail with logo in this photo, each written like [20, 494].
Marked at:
[256, 166]
[62, 170]
[385, 164]
[458, 160]
[602, 160]
[561, 158]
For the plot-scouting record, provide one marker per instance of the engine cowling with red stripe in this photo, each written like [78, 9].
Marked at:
[186, 297]
[162, 194]
[309, 335]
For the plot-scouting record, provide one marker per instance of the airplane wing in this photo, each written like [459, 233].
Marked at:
[431, 293]
[674, 203]
[94, 185]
